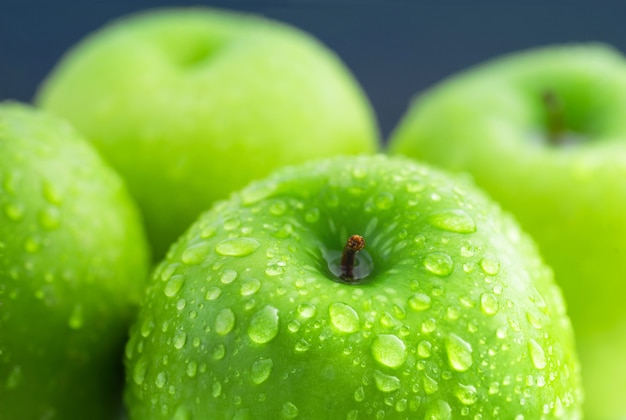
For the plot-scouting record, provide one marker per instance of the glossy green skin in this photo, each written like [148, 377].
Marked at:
[245, 320]
[192, 104]
[73, 263]
[491, 122]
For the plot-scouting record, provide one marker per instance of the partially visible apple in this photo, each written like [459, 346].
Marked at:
[544, 132]
[73, 263]
[447, 313]
[191, 104]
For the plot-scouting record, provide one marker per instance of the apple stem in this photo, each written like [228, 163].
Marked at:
[354, 244]
[556, 125]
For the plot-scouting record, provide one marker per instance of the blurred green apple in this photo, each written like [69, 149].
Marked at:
[447, 313]
[73, 263]
[544, 132]
[191, 104]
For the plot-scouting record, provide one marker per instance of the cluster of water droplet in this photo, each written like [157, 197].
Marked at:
[452, 320]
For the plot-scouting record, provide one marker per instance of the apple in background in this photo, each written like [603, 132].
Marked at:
[190, 104]
[73, 264]
[447, 312]
[544, 133]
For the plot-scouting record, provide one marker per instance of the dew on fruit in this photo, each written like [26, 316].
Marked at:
[51, 194]
[212, 293]
[389, 350]
[301, 346]
[359, 394]
[257, 192]
[289, 411]
[160, 380]
[293, 326]
[344, 317]
[467, 394]
[14, 212]
[180, 338]
[278, 208]
[307, 310]
[76, 320]
[195, 254]
[438, 410]
[386, 383]
[459, 353]
[430, 384]
[218, 352]
[490, 265]
[264, 325]
[439, 263]
[261, 370]
[192, 369]
[237, 247]
[312, 215]
[489, 304]
[173, 285]
[49, 218]
[429, 325]
[419, 302]
[537, 354]
[216, 389]
[139, 371]
[534, 320]
[424, 349]
[250, 287]
[32, 244]
[384, 200]
[224, 321]
[453, 220]
[228, 276]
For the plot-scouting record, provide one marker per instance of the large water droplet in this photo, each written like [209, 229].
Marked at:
[180, 338]
[224, 321]
[212, 293]
[389, 350]
[261, 370]
[419, 302]
[439, 263]
[490, 265]
[237, 247]
[430, 384]
[228, 276]
[264, 325]
[195, 254]
[192, 368]
[218, 351]
[216, 389]
[537, 354]
[489, 303]
[139, 371]
[459, 353]
[438, 410]
[160, 380]
[453, 220]
[173, 285]
[306, 310]
[424, 349]
[467, 394]
[250, 287]
[386, 383]
[344, 317]
[289, 411]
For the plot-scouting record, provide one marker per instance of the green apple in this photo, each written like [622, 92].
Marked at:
[544, 133]
[448, 311]
[191, 104]
[73, 263]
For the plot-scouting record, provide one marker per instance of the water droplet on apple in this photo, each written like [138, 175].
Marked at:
[32, 244]
[430, 384]
[192, 369]
[228, 276]
[14, 212]
[173, 285]
[384, 200]
[264, 325]
[301, 346]
[218, 352]
[139, 371]
[212, 293]
[424, 349]
[343, 317]
[250, 287]
[278, 208]
[231, 223]
[389, 350]
[195, 253]
[534, 320]
[261, 370]
[160, 380]
[51, 194]
[386, 383]
[237, 247]
[439, 263]
[224, 321]
[438, 410]
[289, 411]
[537, 354]
[453, 220]
[147, 326]
[312, 215]
[490, 265]
[49, 218]
[359, 394]
[307, 310]
[459, 353]
[216, 389]
[256, 192]
[419, 302]
[489, 303]
[180, 338]
[467, 394]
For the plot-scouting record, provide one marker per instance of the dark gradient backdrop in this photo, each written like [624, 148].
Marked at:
[394, 48]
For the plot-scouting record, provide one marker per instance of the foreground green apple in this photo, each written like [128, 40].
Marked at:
[447, 312]
[544, 132]
[73, 258]
[191, 104]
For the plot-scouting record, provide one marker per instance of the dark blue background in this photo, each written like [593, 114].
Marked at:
[395, 49]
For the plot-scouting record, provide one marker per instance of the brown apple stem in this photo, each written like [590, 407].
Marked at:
[555, 120]
[354, 244]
